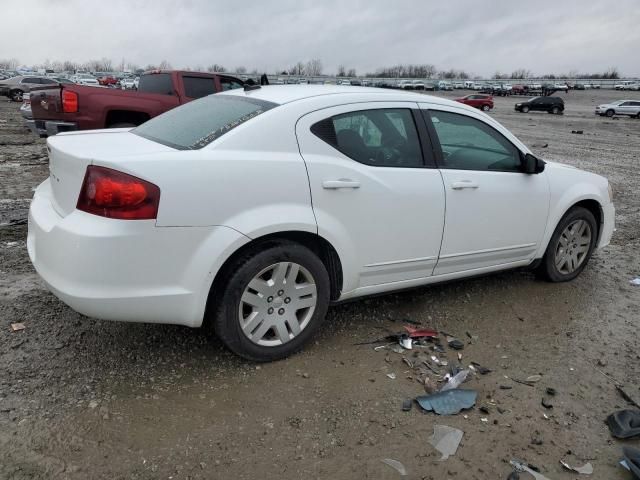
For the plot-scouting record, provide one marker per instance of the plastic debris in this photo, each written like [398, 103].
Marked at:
[449, 402]
[632, 460]
[446, 440]
[395, 464]
[624, 423]
[522, 467]
[546, 403]
[16, 327]
[420, 332]
[534, 378]
[456, 344]
[407, 404]
[406, 341]
[392, 376]
[481, 370]
[551, 391]
[455, 381]
[586, 469]
[635, 281]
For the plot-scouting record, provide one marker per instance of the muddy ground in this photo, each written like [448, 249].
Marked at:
[82, 398]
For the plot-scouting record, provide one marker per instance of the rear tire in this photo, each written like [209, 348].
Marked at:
[570, 247]
[258, 314]
[486, 108]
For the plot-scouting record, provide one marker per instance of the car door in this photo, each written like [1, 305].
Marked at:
[496, 215]
[625, 108]
[375, 196]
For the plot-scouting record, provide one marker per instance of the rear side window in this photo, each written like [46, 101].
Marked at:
[380, 138]
[230, 83]
[30, 80]
[156, 83]
[197, 87]
[47, 81]
[198, 123]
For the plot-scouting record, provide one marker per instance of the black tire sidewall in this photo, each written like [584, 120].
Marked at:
[226, 324]
[548, 264]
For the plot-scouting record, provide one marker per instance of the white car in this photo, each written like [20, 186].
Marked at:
[627, 85]
[85, 79]
[620, 107]
[289, 198]
[128, 83]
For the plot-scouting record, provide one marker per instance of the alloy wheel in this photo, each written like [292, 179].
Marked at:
[277, 304]
[573, 246]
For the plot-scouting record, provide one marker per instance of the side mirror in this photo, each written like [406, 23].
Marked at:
[532, 165]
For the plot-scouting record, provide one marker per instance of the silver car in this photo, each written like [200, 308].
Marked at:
[15, 87]
[620, 107]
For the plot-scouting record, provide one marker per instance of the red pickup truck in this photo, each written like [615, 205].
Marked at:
[67, 107]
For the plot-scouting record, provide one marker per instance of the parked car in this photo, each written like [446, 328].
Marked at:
[553, 105]
[458, 85]
[107, 80]
[405, 84]
[85, 79]
[127, 83]
[63, 108]
[444, 86]
[620, 107]
[15, 87]
[191, 219]
[418, 85]
[627, 85]
[477, 100]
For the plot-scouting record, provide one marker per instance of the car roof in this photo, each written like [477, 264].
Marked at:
[282, 94]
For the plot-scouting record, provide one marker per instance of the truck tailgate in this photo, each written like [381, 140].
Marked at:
[46, 103]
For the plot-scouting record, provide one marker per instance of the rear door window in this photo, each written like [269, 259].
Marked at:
[156, 83]
[197, 87]
[198, 123]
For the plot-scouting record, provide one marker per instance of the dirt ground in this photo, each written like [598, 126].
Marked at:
[83, 399]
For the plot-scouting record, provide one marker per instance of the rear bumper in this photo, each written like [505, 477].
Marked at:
[52, 127]
[126, 270]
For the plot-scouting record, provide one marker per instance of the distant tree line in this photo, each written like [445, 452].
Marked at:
[310, 68]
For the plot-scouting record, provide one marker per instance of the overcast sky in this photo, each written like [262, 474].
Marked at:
[481, 37]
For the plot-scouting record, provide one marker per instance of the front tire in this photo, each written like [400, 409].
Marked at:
[610, 113]
[555, 110]
[272, 302]
[570, 247]
[17, 95]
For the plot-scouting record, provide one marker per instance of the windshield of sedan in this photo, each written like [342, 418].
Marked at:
[198, 123]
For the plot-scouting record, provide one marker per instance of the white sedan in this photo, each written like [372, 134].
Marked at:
[252, 210]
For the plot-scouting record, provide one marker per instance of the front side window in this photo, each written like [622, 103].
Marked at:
[198, 87]
[198, 123]
[470, 144]
[381, 138]
[30, 80]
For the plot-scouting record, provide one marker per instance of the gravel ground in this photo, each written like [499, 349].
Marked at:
[82, 398]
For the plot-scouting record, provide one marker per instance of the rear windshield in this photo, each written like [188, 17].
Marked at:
[200, 122]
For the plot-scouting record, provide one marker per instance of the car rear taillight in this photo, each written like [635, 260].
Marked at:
[113, 194]
[69, 101]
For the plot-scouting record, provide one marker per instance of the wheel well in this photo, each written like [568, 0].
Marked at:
[125, 116]
[313, 242]
[594, 207]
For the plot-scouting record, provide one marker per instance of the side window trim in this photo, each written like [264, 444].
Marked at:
[419, 125]
[426, 113]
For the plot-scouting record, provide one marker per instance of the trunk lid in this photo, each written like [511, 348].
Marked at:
[71, 153]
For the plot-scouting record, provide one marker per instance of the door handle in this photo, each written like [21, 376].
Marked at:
[464, 184]
[342, 183]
